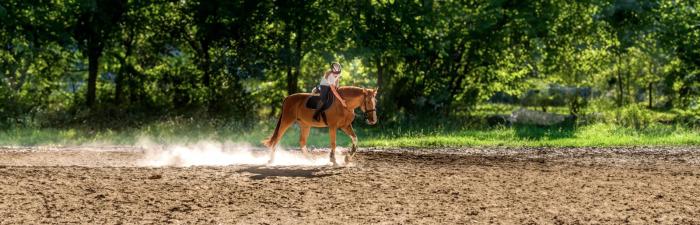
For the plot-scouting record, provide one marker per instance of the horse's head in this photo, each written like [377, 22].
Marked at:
[369, 106]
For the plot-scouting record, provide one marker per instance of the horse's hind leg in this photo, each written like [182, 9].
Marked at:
[304, 130]
[350, 132]
[285, 123]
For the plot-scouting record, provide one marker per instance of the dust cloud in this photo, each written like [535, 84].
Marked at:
[213, 153]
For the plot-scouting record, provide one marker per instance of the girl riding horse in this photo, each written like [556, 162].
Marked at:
[294, 110]
[329, 82]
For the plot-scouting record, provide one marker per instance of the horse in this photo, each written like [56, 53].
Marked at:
[337, 116]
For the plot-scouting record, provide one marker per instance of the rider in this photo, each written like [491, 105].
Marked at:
[329, 82]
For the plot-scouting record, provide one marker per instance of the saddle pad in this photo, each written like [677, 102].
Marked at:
[313, 102]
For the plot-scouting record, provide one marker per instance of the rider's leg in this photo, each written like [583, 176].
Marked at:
[324, 96]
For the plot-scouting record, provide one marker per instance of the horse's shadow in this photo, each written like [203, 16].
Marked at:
[261, 172]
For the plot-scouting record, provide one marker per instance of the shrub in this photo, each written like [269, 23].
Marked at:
[633, 116]
[690, 117]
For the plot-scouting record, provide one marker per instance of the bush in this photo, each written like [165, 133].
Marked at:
[690, 117]
[633, 116]
[13, 111]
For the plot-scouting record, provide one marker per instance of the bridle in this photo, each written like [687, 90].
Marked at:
[367, 111]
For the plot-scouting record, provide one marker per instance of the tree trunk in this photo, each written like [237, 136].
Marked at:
[291, 79]
[135, 92]
[620, 86]
[628, 81]
[119, 85]
[93, 59]
[299, 54]
[650, 95]
[380, 71]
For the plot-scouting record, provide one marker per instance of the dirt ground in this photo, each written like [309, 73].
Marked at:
[396, 186]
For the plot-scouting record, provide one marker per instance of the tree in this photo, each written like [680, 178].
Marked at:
[628, 21]
[680, 33]
[305, 26]
[93, 26]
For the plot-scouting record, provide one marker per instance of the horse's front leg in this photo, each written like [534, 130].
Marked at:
[304, 134]
[331, 134]
[350, 132]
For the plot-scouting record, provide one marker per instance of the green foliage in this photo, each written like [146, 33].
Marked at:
[633, 116]
[438, 59]
[690, 117]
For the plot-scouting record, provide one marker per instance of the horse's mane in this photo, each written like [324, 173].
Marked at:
[351, 91]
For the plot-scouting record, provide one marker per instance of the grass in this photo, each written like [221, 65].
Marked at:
[601, 135]
[590, 136]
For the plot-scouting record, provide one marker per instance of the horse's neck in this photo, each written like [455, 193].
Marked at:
[352, 99]
[352, 96]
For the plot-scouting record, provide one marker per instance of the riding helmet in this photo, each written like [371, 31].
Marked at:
[335, 67]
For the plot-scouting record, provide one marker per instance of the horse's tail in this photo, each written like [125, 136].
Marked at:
[272, 139]
[269, 142]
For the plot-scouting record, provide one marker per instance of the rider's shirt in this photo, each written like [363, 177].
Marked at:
[331, 78]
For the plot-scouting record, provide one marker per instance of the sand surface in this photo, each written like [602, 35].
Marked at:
[107, 185]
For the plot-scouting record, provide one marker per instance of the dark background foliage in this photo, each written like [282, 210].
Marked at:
[63, 62]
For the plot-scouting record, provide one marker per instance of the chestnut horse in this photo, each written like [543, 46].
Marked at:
[294, 110]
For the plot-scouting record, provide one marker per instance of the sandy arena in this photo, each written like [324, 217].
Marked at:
[107, 185]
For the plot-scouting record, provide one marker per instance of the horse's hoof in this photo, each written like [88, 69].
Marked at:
[347, 159]
[306, 155]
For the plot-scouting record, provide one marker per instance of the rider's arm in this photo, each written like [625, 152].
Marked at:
[337, 96]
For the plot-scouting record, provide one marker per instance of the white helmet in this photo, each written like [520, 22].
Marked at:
[335, 67]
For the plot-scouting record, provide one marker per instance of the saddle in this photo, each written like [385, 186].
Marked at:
[316, 103]
[313, 102]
